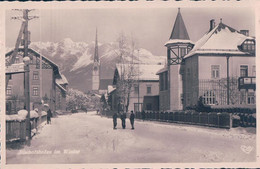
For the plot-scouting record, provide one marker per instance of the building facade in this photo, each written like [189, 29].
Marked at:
[46, 84]
[145, 83]
[219, 68]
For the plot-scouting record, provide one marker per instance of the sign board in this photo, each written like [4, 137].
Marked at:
[15, 68]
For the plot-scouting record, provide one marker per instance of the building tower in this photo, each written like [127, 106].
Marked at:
[178, 46]
[96, 68]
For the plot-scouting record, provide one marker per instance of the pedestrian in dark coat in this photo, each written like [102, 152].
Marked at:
[115, 120]
[49, 115]
[132, 119]
[123, 117]
[143, 115]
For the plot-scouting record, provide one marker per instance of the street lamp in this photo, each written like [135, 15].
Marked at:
[26, 61]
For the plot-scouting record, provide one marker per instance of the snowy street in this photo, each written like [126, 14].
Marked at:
[89, 138]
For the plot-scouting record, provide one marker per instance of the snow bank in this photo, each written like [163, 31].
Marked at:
[22, 113]
[44, 113]
[59, 111]
[17, 117]
[33, 114]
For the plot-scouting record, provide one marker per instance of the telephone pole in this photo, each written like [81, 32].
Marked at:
[25, 42]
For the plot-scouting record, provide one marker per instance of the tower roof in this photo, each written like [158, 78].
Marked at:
[179, 30]
[96, 58]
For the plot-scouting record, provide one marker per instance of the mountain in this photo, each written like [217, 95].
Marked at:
[75, 59]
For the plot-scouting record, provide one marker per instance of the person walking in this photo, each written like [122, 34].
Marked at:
[115, 120]
[132, 119]
[49, 115]
[123, 117]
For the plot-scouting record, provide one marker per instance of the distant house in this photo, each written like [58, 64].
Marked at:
[50, 86]
[219, 68]
[103, 85]
[145, 83]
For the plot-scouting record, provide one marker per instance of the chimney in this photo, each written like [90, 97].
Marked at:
[212, 24]
[245, 32]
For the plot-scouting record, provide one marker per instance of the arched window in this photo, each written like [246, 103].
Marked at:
[249, 46]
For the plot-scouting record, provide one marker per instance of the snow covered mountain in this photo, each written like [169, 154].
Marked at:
[75, 59]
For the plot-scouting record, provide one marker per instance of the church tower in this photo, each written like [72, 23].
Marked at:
[96, 68]
[178, 46]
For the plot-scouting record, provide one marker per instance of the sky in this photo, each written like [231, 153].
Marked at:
[149, 27]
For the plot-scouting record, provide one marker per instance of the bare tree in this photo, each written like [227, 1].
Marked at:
[126, 70]
[234, 93]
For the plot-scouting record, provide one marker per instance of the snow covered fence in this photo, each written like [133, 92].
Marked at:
[15, 130]
[16, 124]
[220, 120]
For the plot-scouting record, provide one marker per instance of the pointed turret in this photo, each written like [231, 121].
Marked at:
[179, 30]
[178, 46]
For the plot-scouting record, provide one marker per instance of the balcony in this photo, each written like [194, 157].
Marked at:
[246, 83]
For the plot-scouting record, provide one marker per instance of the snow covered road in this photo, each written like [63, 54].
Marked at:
[88, 138]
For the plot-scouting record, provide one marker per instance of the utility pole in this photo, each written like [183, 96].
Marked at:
[25, 42]
[138, 83]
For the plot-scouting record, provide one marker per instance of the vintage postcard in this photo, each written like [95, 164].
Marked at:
[129, 84]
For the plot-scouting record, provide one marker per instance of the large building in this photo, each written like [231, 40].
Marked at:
[47, 84]
[144, 85]
[219, 68]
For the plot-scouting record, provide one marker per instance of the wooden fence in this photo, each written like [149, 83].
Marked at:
[16, 130]
[221, 120]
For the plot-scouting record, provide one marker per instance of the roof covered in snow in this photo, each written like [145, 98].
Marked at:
[220, 40]
[140, 71]
[110, 89]
[179, 41]
[162, 70]
[179, 29]
[62, 80]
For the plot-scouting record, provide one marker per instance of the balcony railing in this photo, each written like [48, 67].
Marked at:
[246, 83]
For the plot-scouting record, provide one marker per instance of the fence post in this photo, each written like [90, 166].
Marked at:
[218, 119]
[208, 118]
[230, 120]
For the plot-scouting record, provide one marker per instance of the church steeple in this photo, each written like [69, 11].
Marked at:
[96, 68]
[179, 30]
[96, 58]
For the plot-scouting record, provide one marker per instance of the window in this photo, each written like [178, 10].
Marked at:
[183, 51]
[35, 91]
[249, 46]
[251, 98]
[209, 98]
[253, 70]
[149, 90]
[138, 107]
[215, 71]
[149, 106]
[17, 60]
[243, 71]
[136, 88]
[9, 90]
[35, 75]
